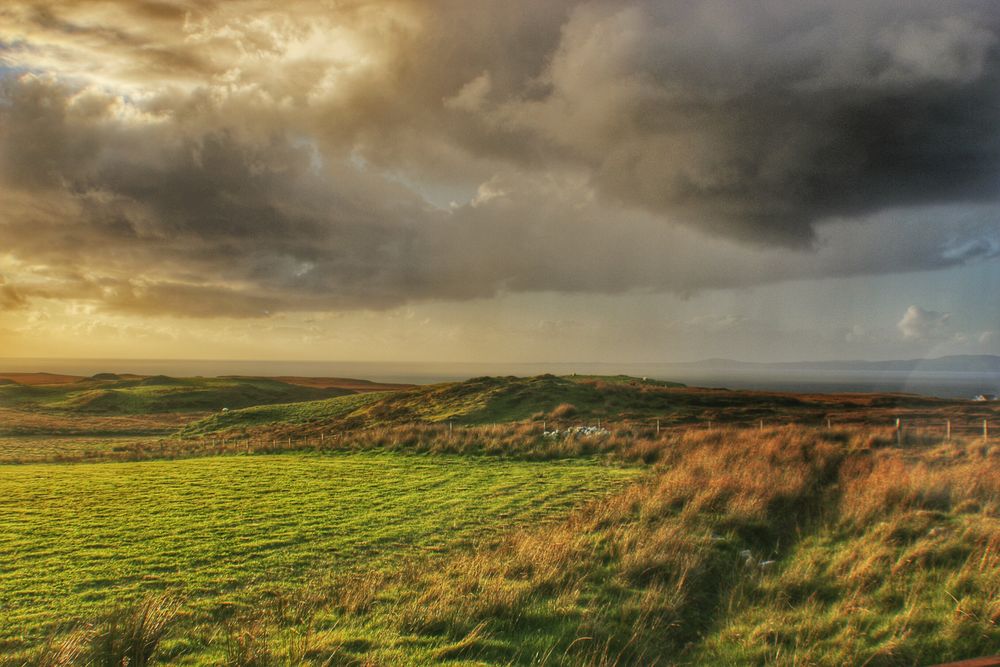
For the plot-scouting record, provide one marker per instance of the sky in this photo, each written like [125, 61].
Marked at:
[520, 181]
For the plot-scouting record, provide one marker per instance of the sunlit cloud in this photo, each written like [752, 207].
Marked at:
[242, 159]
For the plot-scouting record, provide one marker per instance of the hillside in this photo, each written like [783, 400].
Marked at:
[476, 401]
[39, 378]
[157, 394]
[577, 399]
[43, 403]
[301, 414]
[300, 406]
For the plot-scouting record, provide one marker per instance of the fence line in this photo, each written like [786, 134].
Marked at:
[904, 429]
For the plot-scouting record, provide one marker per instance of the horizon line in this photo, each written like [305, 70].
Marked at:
[488, 363]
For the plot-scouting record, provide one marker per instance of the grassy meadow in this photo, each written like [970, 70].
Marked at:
[415, 526]
[76, 539]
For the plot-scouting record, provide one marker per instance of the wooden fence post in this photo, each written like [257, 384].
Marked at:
[657, 426]
[948, 431]
[899, 431]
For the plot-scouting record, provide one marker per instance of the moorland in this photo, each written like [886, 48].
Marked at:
[549, 520]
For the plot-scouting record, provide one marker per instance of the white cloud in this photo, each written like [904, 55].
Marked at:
[920, 324]
[488, 191]
[472, 95]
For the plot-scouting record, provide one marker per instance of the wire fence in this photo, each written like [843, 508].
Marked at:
[904, 429]
[539, 438]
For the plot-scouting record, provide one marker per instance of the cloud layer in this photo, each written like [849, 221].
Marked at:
[229, 159]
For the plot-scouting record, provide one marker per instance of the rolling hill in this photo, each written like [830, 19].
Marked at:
[475, 401]
[42, 403]
[157, 394]
[575, 399]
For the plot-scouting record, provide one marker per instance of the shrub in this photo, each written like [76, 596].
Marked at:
[563, 411]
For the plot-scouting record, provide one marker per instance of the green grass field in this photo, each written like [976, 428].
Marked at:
[75, 539]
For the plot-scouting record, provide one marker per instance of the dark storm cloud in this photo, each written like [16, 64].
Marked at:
[165, 217]
[233, 160]
[758, 120]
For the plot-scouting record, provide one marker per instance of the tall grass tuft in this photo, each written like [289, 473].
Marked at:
[130, 636]
[248, 642]
[66, 650]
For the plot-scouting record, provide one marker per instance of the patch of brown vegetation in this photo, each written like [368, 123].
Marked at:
[22, 422]
[359, 386]
[40, 378]
[563, 411]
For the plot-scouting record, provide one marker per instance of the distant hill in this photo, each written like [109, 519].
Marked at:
[40, 378]
[106, 403]
[960, 363]
[352, 384]
[148, 395]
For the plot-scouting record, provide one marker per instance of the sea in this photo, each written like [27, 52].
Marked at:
[930, 383]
